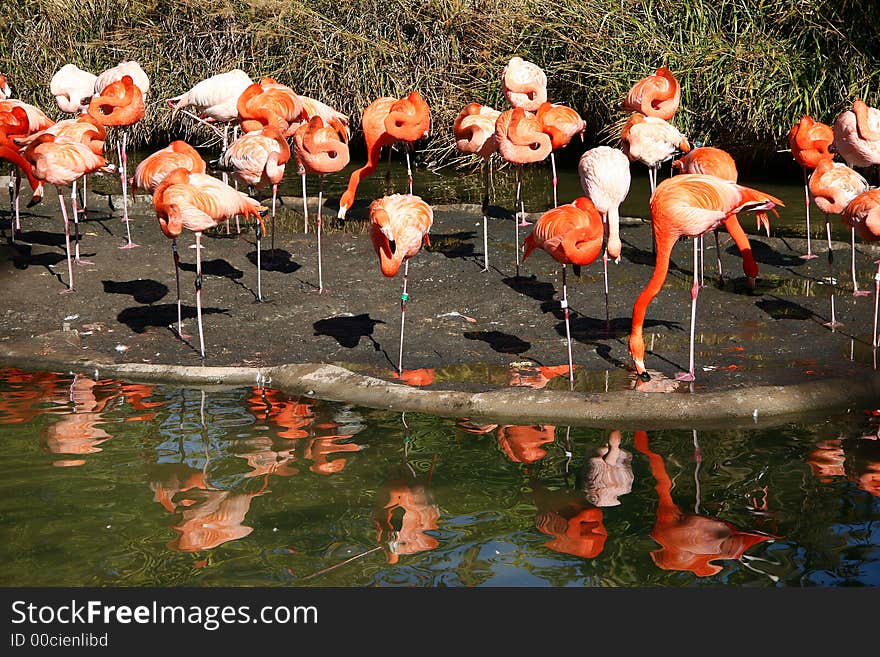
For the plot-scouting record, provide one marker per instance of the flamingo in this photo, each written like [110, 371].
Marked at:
[60, 161]
[717, 162]
[571, 234]
[690, 541]
[258, 158]
[524, 84]
[651, 141]
[85, 130]
[474, 131]
[119, 104]
[833, 185]
[152, 170]
[399, 225]
[386, 121]
[857, 135]
[73, 88]
[809, 141]
[521, 140]
[266, 103]
[655, 95]
[862, 214]
[689, 205]
[196, 201]
[605, 179]
[214, 99]
[321, 149]
[14, 123]
[562, 123]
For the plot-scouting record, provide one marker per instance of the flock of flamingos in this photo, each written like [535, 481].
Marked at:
[275, 123]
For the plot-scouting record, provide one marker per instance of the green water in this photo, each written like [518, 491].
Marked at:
[110, 483]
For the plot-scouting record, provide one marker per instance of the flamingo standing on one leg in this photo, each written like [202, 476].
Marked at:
[572, 235]
[717, 162]
[399, 225]
[474, 131]
[14, 123]
[833, 185]
[862, 214]
[809, 141]
[605, 179]
[321, 149]
[688, 205]
[562, 123]
[258, 158]
[120, 104]
[857, 140]
[651, 141]
[521, 140]
[151, 171]
[196, 201]
[88, 131]
[657, 95]
[73, 88]
[524, 84]
[60, 161]
[386, 121]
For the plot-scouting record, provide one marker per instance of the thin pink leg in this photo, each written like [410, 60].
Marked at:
[73, 205]
[856, 291]
[876, 300]
[695, 292]
[809, 254]
[565, 312]
[66, 243]
[199, 292]
[123, 163]
[404, 297]
[555, 179]
[833, 324]
[318, 229]
[180, 332]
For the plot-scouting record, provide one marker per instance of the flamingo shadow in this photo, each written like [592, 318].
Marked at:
[767, 255]
[139, 318]
[146, 291]
[783, 309]
[503, 343]
[453, 245]
[531, 287]
[274, 260]
[348, 330]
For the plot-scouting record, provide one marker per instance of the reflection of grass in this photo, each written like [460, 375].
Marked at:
[748, 70]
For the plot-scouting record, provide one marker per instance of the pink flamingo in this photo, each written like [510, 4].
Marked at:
[321, 149]
[809, 141]
[562, 123]
[862, 214]
[197, 202]
[474, 131]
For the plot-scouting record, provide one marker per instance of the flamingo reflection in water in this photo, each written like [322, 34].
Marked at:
[691, 541]
[24, 394]
[607, 473]
[857, 459]
[80, 432]
[406, 513]
[574, 523]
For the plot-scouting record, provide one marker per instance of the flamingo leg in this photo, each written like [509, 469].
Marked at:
[305, 204]
[66, 243]
[702, 260]
[605, 274]
[876, 301]
[404, 297]
[123, 165]
[225, 176]
[695, 292]
[856, 291]
[258, 232]
[833, 324]
[555, 179]
[486, 166]
[84, 204]
[565, 312]
[409, 175]
[274, 201]
[516, 215]
[718, 258]
[76, 238]
[199, 293]
[809, 254]
[318, 229]
[235, 138]
[176, 257]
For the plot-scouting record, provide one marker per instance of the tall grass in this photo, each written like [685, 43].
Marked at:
[748, 68]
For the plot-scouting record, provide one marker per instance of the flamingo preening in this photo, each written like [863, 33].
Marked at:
[657, 95]
[809, 142]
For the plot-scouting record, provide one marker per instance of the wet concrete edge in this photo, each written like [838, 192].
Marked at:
[751, 407]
